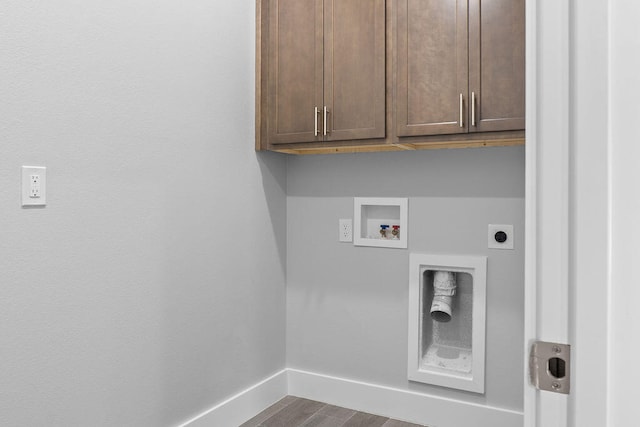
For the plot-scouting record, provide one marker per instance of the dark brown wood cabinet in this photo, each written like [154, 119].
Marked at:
[326, 70]
[497, 64]
[344, 76]
[460, 66]
[432, 67]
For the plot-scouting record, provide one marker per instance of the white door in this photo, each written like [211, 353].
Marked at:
[567, 280]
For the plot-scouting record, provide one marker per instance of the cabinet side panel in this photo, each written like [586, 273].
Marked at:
[497, 68]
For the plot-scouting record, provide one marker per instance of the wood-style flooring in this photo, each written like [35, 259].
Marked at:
[297, 412]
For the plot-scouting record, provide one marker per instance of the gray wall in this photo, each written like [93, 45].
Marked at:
[347, 306]
[152, 285]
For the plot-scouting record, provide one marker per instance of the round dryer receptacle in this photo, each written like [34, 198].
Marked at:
[500, 237]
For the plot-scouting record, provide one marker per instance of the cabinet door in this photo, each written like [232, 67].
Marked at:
[295, 70]
[354, 69]
[496, 64]
[432, 67]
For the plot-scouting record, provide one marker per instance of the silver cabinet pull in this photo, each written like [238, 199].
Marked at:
[325, 120]
[473, 108]
[315, 132]
[461, 112]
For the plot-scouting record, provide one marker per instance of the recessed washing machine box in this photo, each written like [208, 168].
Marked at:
[380, 222]
[447, 317]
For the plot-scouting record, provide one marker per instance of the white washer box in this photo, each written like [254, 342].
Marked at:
[370, 213]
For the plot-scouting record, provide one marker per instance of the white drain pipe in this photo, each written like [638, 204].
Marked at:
[444, 288]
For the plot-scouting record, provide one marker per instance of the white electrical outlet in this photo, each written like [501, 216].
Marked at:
[345, 230]
[500, 236]
[34, 180]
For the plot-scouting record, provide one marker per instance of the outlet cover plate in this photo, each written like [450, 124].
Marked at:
[27, 173]
[491, 237]
[345, 230]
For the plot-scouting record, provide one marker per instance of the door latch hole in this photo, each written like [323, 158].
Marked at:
[557, 367]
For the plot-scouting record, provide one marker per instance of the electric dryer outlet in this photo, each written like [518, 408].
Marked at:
[500, 236]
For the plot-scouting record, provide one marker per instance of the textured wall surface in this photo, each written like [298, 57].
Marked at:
[347, 306]
[152, 285]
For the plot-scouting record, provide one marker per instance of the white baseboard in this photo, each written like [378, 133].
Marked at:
[400, 404]
[390, 402]
[244, 405]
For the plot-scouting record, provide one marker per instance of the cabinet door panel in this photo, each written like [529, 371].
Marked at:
[354, 68]
[295, 70]
[496, 64]
[432, 67]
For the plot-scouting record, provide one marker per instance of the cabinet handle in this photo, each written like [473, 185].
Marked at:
[473, 108]
[461, 123]
[315, 132]
[325, 120]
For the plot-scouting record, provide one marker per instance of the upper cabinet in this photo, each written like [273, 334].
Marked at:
[496, 65]
[433, 73]
[325, 71]
[460, 66]
[386, 75]
[295, 71]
